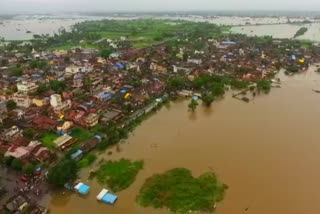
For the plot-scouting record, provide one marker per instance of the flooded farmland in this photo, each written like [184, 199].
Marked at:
[267, 151]
[280, 31]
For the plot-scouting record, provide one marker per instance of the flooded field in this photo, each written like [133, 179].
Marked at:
[18, 29]
[267, 151]
[280, 31]
[24, 29]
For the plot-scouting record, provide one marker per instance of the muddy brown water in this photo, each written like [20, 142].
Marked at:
[267, 151]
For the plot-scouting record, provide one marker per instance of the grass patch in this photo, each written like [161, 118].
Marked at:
[48, 138]
[179, 191]
[87, 161]
[119, 175]
[81, 134]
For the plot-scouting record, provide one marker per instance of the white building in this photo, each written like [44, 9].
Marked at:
[78, 80]
[195, 61]
[66, 105]
[72, 70]
[22, 100]
[55, 100]
[27, 87]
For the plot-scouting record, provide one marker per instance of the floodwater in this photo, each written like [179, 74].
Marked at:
[235, 20]
[17, 29]
[280, 31]
[267, 152]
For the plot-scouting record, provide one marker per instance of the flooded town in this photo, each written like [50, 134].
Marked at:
[159, 112]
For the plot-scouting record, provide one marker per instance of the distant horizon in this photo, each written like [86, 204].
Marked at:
[149, 6]
[214, 12]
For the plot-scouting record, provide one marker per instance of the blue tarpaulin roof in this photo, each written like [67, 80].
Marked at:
[82, 188]
[114, 55]
[105, 95]
[123, 91]
[120, 65]
[109, 198]
[76, 154]
[228, 43]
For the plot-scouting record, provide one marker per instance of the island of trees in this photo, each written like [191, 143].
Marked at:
[180, 192]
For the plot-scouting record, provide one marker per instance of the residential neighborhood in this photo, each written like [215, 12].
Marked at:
[58, 104]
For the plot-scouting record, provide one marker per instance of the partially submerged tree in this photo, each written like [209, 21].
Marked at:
[62, 173]
[193, 105]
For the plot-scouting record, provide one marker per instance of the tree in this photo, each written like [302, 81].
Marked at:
[42, 88]
[207, 98]
[4, 62]
[17, 72]
[16, 164]
[105, 52]
[28, 133]
[293, 69]
[62, 173]
[300, 32]
[11, 104]
[41, 64]
[57, 86]
[28, 169]
[175, 83]
[218, 89]
[193, 105]
[264, 85]
[7, 160]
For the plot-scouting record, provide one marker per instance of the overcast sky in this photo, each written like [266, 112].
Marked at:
[153, 5]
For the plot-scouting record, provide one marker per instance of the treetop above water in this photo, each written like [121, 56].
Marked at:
[180, 192]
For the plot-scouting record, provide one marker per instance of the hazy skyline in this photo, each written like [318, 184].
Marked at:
[38, 6]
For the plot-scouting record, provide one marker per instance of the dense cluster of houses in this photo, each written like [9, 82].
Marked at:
[80, 88]
[97, 90]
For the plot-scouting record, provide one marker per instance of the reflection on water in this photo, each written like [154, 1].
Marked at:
[267, 151]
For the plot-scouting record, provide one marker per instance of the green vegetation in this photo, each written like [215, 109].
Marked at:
[11, 104]
[264, 85]
[28, 132]
[62, 173]
[57, 86]
[119, 175]
[17, 72]
[28, 169]
[40, 64]
[87, 160]
[207, 98]
[300, 32]
[179, 191]
[48, 138]
[81, 134]
[127, 33]
[16, 164]
[238, 84]
[193, 105]
[293, 69]
[175, 83]
[105, 52]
